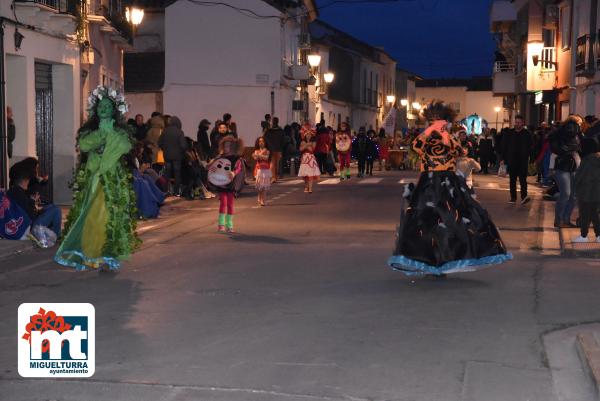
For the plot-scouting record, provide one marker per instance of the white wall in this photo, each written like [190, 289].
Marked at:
[449, 94]
[219, 61]
[143, 103]
[20, 94]
[483, 103]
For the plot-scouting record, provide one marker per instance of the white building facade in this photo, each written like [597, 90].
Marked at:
[466, 97]
[48, 77]
[364, 76]
[218, 60]
[43, 89]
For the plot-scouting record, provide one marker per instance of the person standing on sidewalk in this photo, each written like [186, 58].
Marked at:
[11, 131]
[173, 144]
[343, 144]
[587, 188]
[565, 143]
[486, 151]
[517, 144]
[274, 139]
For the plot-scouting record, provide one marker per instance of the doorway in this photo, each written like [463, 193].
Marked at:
[43, 123]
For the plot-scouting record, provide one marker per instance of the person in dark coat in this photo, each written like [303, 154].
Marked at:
[593, 129]
[360, 149]
[517, 144]
[486, 152]
[587, 188]
[173, 144]
[203, 143]
[45, 215]
[274, 139]
[219, 133]
[565, 144]
[140, 128]
[11, 131]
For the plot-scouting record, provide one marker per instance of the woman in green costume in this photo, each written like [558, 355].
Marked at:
[100, 227]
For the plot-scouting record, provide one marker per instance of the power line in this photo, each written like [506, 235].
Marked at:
[252, 14]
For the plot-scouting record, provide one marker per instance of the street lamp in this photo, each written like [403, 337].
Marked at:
[134, 15]
[404, 102]
[497, 110]
[314, 60]
[329, 77]
[391, 99]
[416, 105]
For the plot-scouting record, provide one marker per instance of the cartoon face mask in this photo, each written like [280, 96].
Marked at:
[220, 172]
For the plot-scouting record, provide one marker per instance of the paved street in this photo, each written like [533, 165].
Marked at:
[300, 305]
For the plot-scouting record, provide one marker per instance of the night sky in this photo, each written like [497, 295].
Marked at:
[432, 38]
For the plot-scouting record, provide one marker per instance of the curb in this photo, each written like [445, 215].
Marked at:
[569, 248]
[588, 351]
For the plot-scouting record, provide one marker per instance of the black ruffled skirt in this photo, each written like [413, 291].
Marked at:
[445, 230]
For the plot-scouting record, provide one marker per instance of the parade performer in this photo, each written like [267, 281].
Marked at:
[221, 177]
[343, 144]
[309, 169]
[262, 172]
[443, 230]
[100, 227]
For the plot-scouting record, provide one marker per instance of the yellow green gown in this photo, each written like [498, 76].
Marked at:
[100, 227]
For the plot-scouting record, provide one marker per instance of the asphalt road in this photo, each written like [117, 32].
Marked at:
[300, 305]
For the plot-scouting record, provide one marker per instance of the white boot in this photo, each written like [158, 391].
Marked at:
[580, 239]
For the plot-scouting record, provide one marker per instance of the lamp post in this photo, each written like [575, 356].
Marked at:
[134, 15]
[497, 110]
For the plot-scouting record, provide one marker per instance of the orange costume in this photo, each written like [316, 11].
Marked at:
[437, 149]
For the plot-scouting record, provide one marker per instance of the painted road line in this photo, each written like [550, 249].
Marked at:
[293, 182]
[330, 181]
[493, 185]
[405, 181]
[370, 181]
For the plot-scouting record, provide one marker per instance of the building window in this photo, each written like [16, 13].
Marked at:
[582, 52]
[565, 27]
[370, 100]
[376, 100]
[364, 87]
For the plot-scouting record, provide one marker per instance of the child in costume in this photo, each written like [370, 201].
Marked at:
[221, 176]
[262, 170]
[100, 227]
[443, 230]
[343, 144]
[309, 169]
[464, 167]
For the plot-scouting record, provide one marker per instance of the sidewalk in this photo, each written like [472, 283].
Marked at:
[10, 248]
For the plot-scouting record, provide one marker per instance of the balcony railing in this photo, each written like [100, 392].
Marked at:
[548, 59]
[503, 66]
[62, 6]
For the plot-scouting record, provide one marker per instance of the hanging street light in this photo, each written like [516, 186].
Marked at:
[134, 15]
[391, 99]
[314, 60]
[329, 77]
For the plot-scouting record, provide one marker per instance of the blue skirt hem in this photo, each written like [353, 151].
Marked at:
[112, 263]
[412, 267]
